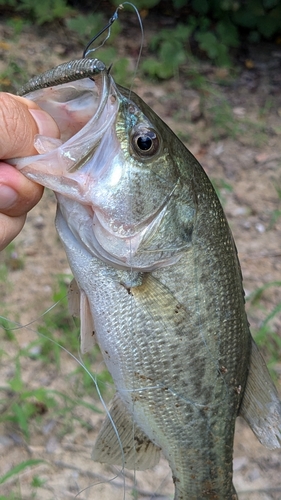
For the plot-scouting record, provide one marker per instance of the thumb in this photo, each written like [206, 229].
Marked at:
[20, 120]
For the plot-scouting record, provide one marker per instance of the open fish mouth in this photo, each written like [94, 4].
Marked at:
[108, 155]
[83, 110]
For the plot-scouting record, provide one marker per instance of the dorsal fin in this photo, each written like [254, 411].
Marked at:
[137, 451]
[261, 407]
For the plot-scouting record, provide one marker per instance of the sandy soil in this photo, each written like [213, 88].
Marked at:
[247, 168]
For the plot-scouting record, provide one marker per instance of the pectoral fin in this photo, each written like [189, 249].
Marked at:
[132, 450]
[73, 298]
[261, 407]
[79, 306]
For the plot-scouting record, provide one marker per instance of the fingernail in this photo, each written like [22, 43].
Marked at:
[45, 123]
[8, 197]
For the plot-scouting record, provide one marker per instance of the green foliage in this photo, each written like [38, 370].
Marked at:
[86, 26]
[171, 49]
[140, 4]
[12, 76]
[120, 65]
[217, 42]
[216, 26]
[5, 325]
[262, 16]
[41, 12]
[11, 258]
[58, 329]
[84, 383]
[37, 482]
[222, 188]
[276, 214]
[19, 468]
[219, 114]
[17, 24]
[25, 407]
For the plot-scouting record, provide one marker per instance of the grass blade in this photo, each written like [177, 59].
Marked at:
[19, 468]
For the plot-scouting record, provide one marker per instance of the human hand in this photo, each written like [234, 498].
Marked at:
[20, 120]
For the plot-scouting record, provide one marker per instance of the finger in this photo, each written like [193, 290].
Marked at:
[20, 121]
[17, 193]
[10, 227]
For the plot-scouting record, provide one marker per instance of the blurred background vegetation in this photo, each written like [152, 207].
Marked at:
[210, 29]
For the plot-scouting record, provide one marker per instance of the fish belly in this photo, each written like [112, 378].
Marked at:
[164, 369]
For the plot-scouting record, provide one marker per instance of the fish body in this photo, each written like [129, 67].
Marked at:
[160, 287]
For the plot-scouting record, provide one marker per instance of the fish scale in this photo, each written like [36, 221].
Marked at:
[159, 281]
[152, 335]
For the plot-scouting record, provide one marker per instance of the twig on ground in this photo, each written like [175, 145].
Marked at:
[103, 479]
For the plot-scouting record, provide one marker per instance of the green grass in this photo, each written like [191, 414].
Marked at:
[58, 334]
[276, 214]
[26, 407]
[12, 76]
[19, 468]
[222, 188]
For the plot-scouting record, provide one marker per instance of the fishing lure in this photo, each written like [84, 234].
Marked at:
[64, 73]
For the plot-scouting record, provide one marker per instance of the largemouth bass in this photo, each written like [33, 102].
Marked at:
[159, 281]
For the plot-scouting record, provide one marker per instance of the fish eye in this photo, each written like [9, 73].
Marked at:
[145, 142]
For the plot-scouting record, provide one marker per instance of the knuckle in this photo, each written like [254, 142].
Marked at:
[15, 126]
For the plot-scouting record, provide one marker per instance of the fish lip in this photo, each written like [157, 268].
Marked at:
[106, 82]
[103, 83]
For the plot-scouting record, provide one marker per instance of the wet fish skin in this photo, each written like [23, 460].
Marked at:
[196, 438]
[156, 265]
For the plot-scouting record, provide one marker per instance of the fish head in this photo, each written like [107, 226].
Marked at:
[115, 172]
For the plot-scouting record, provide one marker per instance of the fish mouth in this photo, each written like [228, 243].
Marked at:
[94, 173]
[83, 110]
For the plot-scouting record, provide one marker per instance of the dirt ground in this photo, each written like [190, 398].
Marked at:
[241, 152]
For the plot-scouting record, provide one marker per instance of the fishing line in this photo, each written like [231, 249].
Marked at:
[141, 44]
[34, 320]
[92, 377]
[114, 18]
[19, 326]
[86, 53]
[110, 418]
[87, 49]
[131, 220]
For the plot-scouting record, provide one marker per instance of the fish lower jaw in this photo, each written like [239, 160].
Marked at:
[125, 253]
